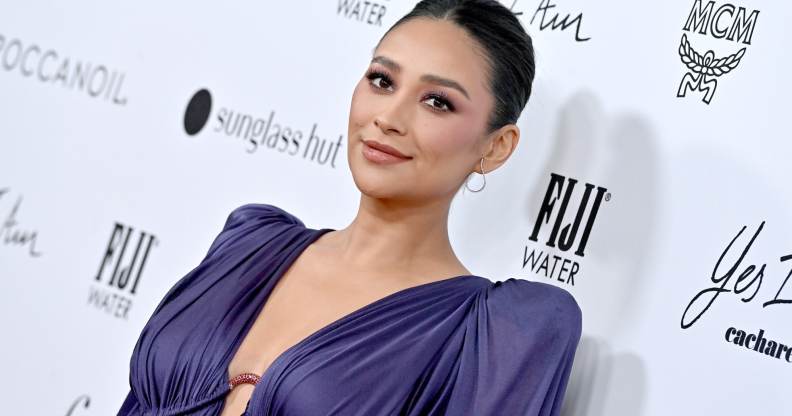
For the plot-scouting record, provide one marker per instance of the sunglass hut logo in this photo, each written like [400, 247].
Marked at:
[256, 132]
[567, 239]
[727, 22]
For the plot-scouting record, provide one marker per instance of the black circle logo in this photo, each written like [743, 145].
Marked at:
[197, 113]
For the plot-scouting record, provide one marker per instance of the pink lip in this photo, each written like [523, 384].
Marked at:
[384, 148]
[381, 153]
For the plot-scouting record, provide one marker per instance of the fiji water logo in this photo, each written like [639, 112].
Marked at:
[565, 246]
[120, 269]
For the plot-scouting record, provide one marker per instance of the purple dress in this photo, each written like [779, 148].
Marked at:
[459, 346]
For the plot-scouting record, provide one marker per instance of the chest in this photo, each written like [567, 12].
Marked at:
[308, 297]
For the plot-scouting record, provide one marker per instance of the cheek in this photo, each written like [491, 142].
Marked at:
[358, 106]
[448, 139]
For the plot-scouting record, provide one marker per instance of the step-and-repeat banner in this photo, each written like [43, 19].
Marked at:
[651, 181]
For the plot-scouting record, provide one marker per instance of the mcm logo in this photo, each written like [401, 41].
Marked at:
[727, 22]
[704, 69]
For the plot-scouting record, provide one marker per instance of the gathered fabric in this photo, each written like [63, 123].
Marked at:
[464, 345]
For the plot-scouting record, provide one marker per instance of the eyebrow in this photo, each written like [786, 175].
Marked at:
[430, 78]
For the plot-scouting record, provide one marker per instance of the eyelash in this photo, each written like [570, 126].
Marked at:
[440, 96]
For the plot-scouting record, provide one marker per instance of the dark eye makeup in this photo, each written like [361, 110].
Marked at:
[439, 96]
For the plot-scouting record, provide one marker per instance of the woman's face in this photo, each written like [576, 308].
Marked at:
[425, 93]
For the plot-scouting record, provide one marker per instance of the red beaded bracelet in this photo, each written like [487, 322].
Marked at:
[244, 378]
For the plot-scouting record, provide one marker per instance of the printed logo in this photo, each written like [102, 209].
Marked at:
[197, 113]
[727, 22]
[744, 282]
[368, 12]
[121, 268]
[564, 236]
[259, 132]
[47, 66]
[552, 20]
[702, 68]
[11, 234]
[83, 401]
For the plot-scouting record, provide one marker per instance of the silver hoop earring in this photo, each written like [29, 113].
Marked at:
[482, 176]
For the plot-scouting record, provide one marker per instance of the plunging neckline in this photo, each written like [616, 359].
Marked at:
[287, 264]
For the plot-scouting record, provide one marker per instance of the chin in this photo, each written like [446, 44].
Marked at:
[372, 183]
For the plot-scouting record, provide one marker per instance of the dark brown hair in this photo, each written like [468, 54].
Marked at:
[509, 49]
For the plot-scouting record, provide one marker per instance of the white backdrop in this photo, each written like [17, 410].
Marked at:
[104, 136]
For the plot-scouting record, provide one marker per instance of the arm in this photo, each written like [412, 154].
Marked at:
[526, 338]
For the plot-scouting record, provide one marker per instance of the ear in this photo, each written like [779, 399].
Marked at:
[500, 144]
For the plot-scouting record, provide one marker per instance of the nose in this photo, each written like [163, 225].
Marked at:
[391, 119]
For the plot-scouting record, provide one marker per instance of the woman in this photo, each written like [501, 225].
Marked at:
[380, 317]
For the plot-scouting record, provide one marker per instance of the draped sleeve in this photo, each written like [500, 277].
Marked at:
[526, 338]
[241, 225]
[130, 405]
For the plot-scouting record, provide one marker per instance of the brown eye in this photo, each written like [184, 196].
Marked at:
[379, 86]
[439, 98]
[438, 101]
[374, 75]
